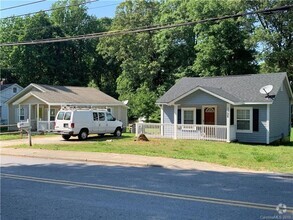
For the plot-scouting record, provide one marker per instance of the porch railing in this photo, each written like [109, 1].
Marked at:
[198, 132]
[44, 126]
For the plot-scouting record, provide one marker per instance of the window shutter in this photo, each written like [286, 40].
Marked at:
[232, 116]
[255, 120]
[198, 116]
[179, 116]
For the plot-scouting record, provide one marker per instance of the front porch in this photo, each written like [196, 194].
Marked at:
[187, 131]
[41, 116]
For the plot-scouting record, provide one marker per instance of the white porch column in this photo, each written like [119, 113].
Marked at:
[30, 116]
[38, 116]
[49, 111]
[30, 112]
[228, 116]
[268, 124]
[162, 120]
[18, 112]
[175, 120]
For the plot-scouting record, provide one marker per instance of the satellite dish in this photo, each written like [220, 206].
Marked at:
[125, 102]
[265, 90]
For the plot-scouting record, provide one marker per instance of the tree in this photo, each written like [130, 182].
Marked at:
[273, 35]
[37, 63]
[221, 47]
[135, 54]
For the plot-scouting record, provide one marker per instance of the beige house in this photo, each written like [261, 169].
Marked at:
[40, 104]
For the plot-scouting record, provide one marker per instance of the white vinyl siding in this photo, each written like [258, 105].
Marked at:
[243, 119]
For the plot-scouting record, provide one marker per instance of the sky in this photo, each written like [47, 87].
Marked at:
[100, 8]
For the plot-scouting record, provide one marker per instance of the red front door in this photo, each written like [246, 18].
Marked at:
[209, 115]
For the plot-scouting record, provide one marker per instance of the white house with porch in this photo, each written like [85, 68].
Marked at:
[40, 104]
[225, 109]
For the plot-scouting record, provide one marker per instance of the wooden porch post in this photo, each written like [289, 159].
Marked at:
[175, 120]
[228, 116]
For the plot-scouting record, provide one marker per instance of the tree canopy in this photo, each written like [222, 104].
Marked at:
[141, 67]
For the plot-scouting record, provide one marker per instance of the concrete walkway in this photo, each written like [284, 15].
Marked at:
[109, 158]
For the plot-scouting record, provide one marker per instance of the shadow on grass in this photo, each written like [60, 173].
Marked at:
[101, 138]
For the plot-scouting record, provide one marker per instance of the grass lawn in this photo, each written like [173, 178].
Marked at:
[7, 137]
[255, 157]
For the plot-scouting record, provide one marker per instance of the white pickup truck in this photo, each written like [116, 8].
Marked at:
[81, 123]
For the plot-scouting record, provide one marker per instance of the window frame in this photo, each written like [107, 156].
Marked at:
[21, 114]
[53, 116]
[250, 130]
[182, 115]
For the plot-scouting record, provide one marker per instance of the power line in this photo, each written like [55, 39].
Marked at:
[18, 6]
[145, 29]
[51, 9]
[50, 26]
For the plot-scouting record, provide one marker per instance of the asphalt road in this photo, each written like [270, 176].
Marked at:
[34, 188]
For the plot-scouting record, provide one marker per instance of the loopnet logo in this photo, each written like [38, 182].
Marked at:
[281, 208]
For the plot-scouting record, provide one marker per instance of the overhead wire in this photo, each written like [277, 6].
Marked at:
[51, 9]
[146, 29]
[22, 5]
[53, 25]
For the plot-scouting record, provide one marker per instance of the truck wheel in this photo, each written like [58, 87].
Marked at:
[118, 132]
[66, 137]
[83, 135]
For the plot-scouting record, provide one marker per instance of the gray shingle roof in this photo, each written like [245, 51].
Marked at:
[237, 89]
[5, 86]
[67, 95]
[72, 94]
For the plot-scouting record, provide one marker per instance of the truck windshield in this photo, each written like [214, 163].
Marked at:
[60, 116]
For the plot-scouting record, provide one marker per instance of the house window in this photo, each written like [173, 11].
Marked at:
[21, 114]
[14, 90]
[52, 114]
[188, 115]
[244, 119]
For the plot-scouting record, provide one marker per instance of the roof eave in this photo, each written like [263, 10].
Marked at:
[26, 96]
[89, 104]
[18, 95]
[205, 90]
